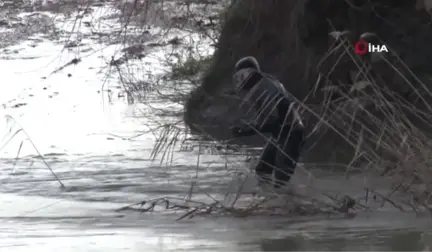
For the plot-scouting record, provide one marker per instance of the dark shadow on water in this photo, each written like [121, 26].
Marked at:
[411, 241]
[395, 240]
[283, 244]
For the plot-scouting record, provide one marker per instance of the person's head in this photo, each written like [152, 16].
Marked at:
[245, 80]
[247, 62]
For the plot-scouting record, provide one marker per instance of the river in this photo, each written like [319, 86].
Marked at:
[100, 148]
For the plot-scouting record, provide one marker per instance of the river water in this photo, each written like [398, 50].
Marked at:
[97, 145]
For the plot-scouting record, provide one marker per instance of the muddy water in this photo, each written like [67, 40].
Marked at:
[96, 144]
[37, 215]
[46, 224]
[103, 172]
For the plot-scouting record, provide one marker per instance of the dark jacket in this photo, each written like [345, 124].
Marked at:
[266, 93]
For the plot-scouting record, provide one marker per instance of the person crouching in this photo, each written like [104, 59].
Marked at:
[282, 152]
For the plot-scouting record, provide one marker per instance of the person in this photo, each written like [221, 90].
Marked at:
[283, 150]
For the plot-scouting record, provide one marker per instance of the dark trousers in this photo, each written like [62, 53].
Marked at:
[281, 155]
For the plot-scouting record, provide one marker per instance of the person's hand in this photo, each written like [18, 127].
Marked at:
[242, 131]
[237, 131]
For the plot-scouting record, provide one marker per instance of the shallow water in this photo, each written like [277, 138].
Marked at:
[44, 224]
[82, 127]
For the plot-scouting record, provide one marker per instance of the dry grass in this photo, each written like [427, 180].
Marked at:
[390, 133]
[14, 131]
